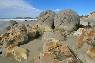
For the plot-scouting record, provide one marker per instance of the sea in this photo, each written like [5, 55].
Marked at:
[19, 20]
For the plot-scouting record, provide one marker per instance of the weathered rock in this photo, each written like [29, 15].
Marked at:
[79, 32]
[33, 31]
[46, 20]
[0, 41]
[67, 20]
[19, 34]
[18, 53]
[8, 28]
[50, 44]
[86, 35]
[16, 35]
[44, 28]
[8, 51]
[47, 36]
[4, 39]
[56, 51]
[91, 53]
[12, 22]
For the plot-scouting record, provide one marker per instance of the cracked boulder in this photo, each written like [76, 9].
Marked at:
[56, 51]
[46, 20]
[67, 20]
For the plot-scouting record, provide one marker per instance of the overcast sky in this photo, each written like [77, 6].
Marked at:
[31, 8]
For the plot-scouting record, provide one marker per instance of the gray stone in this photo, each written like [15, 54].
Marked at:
[46, 18]
[12, 22]
[67, 20]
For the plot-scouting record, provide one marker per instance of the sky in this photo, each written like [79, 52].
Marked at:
[32, 8]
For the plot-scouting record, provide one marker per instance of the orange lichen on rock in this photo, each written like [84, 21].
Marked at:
[91, 52]
[87, 36]
[9, 50]
[18, 53]
[64, 49]
[81, 39]
[90, 37]
[59, 51]
[47, 55]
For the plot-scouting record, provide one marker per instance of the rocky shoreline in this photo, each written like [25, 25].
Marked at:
[53, 38]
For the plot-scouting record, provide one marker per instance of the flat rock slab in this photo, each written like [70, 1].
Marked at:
[81, 53]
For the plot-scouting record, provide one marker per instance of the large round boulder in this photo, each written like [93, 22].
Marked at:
[67, 20]
[46, 20]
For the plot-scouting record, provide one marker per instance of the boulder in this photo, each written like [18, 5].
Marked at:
[19, 34]
[67, 20]
[52, 35]
[12, 22]
[56, 51]
[46, 20]
[33, 31]
[16, 35]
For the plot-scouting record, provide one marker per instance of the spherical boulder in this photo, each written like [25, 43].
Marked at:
[46, 19]
[67, 20]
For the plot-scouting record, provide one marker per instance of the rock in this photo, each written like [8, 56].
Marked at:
[1, 41]
[81, 37]
[19, 34]
[85, 36]
[67, 20]
[91, 52]
[16, 35]
[0, 51]
[20, 53]
[59, 52]
[12, 22]
[8, 51]
[36, 59]
[33, 31]
[8, 28]
[4, 39]
[78, 32]
[50, 44]
[90, 38]
[47, 36]
[46, 20]
[44, 28]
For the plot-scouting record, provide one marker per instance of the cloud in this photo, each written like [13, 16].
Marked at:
[17, 8]
[56, 10]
